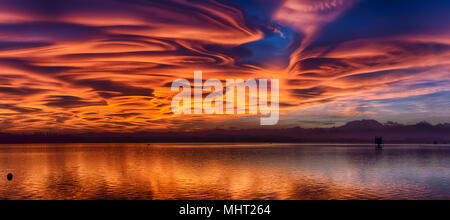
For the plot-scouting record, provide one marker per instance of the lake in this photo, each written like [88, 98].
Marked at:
[224, 171]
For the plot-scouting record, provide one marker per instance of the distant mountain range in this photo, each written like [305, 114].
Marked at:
[362, 131]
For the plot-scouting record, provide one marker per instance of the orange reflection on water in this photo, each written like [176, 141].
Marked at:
[168, 171]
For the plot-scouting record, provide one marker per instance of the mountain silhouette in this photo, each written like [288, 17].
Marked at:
[362, 131]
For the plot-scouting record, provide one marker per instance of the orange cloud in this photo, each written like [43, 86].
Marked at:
[91, 66]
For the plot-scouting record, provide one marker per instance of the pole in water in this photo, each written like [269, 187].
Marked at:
[379, 142]
[9, 176]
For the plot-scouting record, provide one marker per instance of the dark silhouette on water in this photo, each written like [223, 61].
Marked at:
[379, 142]
[9, 176]
[353, 132]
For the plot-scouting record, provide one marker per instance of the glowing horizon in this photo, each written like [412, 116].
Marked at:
[98, 65]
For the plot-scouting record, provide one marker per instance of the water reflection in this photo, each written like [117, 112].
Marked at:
[200, 171]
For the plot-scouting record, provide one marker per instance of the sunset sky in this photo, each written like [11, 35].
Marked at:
[107, 65]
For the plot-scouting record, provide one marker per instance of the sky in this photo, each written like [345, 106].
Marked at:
[107, 65]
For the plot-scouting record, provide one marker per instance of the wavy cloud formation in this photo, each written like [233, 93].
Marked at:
[104, 65]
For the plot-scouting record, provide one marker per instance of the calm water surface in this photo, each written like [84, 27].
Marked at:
[221, 171]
